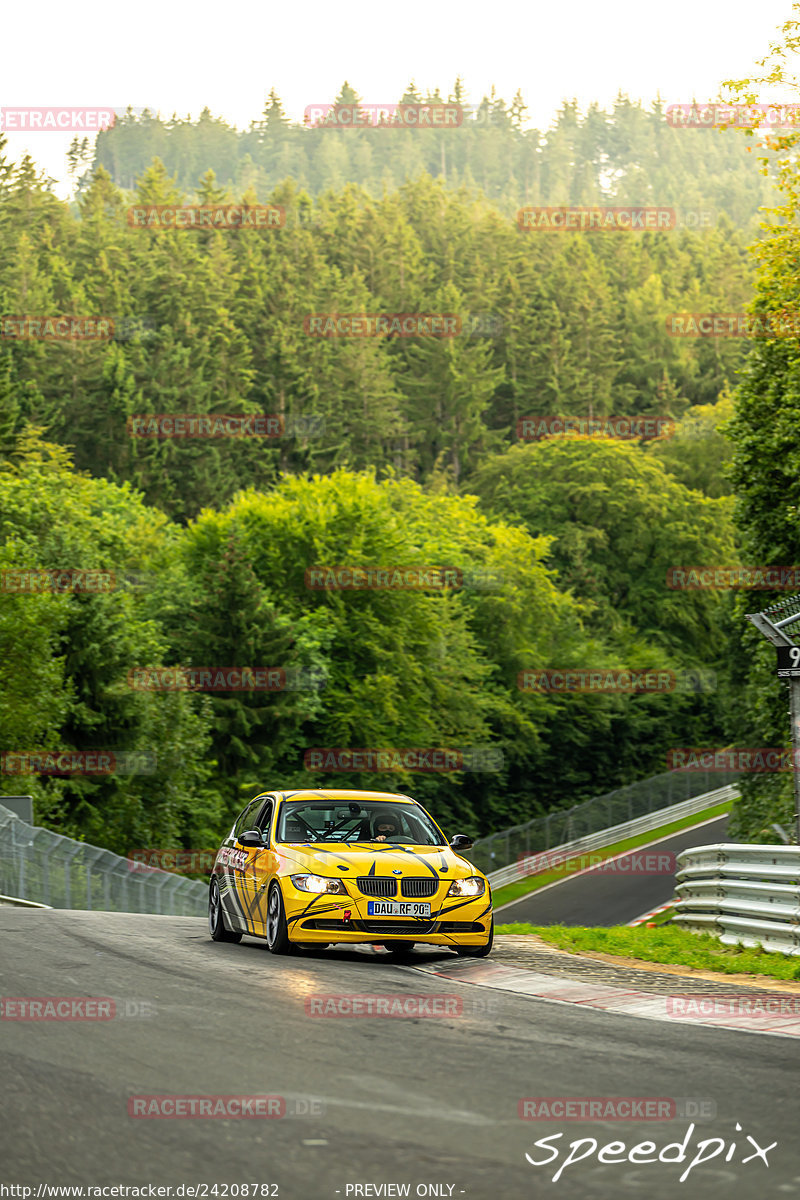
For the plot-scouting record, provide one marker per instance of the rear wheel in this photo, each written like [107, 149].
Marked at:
[477, 951]
[216, 918]
[277, 931]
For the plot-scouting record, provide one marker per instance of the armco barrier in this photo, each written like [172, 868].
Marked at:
[45, 867]
[536, 863]
[741, 894]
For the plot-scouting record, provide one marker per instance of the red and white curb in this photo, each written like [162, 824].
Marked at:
[774, 1013]
[648, 916]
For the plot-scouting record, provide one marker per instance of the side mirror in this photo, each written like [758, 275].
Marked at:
[461, 842]
[253, 837]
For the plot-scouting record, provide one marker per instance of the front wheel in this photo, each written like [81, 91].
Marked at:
[477, 951]
[277, 931]
[216, 918]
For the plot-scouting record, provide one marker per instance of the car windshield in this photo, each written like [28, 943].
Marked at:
[351, 821]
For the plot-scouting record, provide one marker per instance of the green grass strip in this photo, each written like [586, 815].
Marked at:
[521, 887]
[665, 944]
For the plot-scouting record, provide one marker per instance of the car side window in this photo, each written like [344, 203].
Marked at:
[246, 819]
[264, 821]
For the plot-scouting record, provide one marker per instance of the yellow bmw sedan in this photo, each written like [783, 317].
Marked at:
[315, 867]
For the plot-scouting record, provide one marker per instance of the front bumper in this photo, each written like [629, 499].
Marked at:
[453, 922]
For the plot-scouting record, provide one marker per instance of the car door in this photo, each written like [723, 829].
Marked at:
[253, 882]
[233, 860]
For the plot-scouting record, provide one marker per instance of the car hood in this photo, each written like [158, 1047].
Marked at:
[371, 860]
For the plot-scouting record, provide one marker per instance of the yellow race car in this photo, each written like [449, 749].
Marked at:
[315, 867]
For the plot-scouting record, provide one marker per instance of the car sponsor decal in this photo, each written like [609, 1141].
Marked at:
[230, 857]
[460, 904]
[309, 908]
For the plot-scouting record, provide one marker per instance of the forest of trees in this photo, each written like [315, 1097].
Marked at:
[397, 451]
[631, 155]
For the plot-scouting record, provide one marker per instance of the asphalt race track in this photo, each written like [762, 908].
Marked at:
[423, 1102]
[604, 897]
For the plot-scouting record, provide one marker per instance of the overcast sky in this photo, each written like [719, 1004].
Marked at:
[178, 57]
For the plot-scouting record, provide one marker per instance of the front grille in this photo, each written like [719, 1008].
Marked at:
[419, 887]
[390, 927]
[386, 927]
[373, 885]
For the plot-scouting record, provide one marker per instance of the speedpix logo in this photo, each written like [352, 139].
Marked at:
[646, 1152]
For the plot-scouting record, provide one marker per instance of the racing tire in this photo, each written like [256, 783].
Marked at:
[216, 917]
[399, 949]
[477, 951]
[275, 926]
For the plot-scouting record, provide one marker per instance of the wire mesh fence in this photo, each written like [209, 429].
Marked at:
[591, 816]
[46, 867]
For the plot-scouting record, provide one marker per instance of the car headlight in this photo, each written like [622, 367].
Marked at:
[318, 883]
[474, 886]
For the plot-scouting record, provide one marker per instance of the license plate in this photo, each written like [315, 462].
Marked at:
[397, 908]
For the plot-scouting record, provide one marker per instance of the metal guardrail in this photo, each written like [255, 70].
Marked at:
[36, 864]
[741, 894]
[15, 901]
[566, 825]
[536, 863]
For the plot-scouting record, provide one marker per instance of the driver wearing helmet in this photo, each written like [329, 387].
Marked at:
[385, 826]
